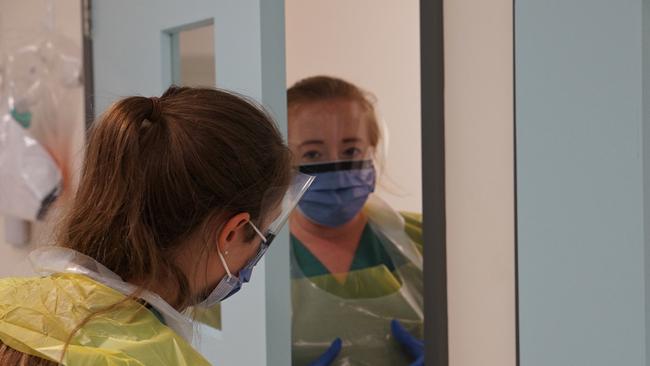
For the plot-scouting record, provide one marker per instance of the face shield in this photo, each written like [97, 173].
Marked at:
[277, 205]
[335, 141]
[278, 214]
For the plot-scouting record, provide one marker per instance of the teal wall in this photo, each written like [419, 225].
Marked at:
[581, 181]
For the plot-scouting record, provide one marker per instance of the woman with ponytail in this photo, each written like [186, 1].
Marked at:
[179, 198]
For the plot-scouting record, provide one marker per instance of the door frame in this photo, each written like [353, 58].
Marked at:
[433, 182]
[433, 167]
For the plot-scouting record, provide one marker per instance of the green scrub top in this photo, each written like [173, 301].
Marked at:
[370, 253]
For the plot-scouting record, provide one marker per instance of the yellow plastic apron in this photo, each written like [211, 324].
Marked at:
[38, 314]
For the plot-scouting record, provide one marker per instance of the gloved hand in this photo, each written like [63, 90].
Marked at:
[412, 345]
[330, 355]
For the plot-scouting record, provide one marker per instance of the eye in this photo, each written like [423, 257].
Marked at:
[352, 153]
[312, 155]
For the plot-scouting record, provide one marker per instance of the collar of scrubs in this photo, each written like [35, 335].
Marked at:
[369, 253]
[52, 259]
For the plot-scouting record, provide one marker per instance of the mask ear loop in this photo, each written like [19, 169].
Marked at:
[259, 233]
[223, 261]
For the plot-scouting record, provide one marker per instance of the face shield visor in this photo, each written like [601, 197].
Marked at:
[276, 207]
[335, 141]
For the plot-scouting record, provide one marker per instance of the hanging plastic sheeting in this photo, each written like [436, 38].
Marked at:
[40, 73]
[29, 178]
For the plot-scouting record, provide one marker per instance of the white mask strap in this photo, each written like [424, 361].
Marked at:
[223, 261]
[259, 233]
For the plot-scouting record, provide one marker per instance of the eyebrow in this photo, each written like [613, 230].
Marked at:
[312, 142]
[352, 139]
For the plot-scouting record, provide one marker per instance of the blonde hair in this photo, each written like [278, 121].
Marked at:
[320, 88]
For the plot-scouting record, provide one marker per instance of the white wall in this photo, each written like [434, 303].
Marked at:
[30, 14]
[480, 182]
[376, 45]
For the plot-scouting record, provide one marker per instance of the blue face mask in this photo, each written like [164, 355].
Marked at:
[339, 191]
[231, 284]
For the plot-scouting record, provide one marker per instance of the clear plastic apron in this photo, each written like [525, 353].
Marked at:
[360, 319]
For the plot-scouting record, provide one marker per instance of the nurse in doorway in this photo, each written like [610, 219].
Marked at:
[356, 262]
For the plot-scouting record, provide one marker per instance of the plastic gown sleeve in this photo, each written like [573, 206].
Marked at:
[29, 178]
[37, 315]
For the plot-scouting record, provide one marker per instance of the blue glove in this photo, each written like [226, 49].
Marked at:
[412, 345]
[330, 355]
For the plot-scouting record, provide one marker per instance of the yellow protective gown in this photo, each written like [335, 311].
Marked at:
[360, 310]
[37, 315]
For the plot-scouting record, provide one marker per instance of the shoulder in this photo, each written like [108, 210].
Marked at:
[413, 227]
[124, 331]
[82, 292]
[412, 219]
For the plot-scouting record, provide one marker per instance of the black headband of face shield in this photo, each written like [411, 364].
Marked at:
[335, 166]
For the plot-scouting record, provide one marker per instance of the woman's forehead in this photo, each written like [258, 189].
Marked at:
[330, 118]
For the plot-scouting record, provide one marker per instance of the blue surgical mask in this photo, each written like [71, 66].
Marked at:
[339, 192]
[231, 284]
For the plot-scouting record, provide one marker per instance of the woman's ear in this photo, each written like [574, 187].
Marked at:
[231, 228]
